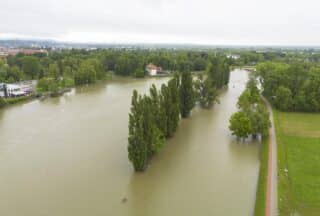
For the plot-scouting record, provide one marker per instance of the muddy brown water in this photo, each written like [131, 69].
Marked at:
[67, 156]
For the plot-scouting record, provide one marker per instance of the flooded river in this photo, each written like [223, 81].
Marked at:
[67, 156]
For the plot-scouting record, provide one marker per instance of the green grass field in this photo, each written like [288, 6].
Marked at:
[260, 204]
[298, 139]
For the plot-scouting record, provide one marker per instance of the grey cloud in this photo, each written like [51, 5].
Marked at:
[196, 21]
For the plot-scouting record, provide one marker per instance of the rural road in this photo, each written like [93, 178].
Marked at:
[272, 196]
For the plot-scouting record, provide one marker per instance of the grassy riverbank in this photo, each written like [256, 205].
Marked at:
[260, 204]
[9, 101]
[298, 141]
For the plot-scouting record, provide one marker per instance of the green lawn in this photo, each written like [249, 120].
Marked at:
[300, 124]
[260, 204]
[298, 139]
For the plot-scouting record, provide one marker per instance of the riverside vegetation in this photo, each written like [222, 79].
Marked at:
[155, 118]
[291, 87]
[293, 90]
[79, 66]
[253, 119]
[60, 70]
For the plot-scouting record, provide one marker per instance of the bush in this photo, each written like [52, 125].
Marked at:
[67, 82]
[54, 88]
[139, 73]
[15, 100]
[86, 74]
[43, 84]
[2, 102]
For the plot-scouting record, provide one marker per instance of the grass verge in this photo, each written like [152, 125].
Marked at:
[9, 101]
[298, 163]
[260, 203]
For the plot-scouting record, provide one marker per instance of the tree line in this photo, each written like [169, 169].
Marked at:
[291, 87]
[252, 117]
[82, 66]
[155, 117]
[65, 68]
[85, 66]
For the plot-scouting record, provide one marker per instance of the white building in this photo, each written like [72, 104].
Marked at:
[13, 90]
[1, 90]
[153, 70]
[233, 56]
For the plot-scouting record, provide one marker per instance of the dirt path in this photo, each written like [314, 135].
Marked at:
[272, 196]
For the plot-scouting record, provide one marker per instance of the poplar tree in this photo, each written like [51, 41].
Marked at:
[165, 105]
[153, 137]
[137, 147]
[169, 107]
[174, 115]
[155, 103]
[218, 72]
[187, 94]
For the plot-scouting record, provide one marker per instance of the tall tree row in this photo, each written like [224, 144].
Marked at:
[187, 94]
[155, 117]
[152, 119]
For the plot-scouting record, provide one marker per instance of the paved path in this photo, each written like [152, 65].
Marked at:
[272, 194]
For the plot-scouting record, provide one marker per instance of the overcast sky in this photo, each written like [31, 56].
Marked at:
[223, 22]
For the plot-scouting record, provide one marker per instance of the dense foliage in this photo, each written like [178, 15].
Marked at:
[206, 93]
[152, 119]
[252, 117]
[240, 124]
[187, 94]
[132, 62]
[87, 66]
[216, 76]
[291, 87]
[2, 102]
[155, 117]
[60, 69]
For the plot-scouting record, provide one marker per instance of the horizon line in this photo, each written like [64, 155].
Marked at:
[154, 43]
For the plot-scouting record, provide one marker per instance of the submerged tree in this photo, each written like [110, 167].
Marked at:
[218, 72]
[145, 136]
[137, 147]
[187, 94]
[206, 93]
[156, 117]
[240, 125]
[169, 107]
[260, 121]
[253, 117]
[174, 113]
